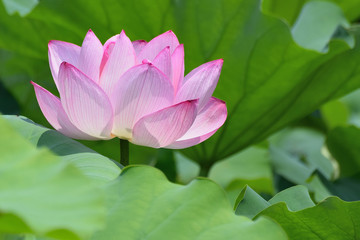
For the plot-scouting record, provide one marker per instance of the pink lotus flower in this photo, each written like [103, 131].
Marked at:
[132, 90]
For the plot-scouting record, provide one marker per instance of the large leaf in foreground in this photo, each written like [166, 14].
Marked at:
[293, 209]
[331, 219]
[150, 207]
[92, 164]
[250, 204]
[43, 195]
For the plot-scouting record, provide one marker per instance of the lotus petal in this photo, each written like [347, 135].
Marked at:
[200, 83]
[121, 58]
[86, 104]
[142, 90]
[53, 111]
[211, 117]
[163, 127]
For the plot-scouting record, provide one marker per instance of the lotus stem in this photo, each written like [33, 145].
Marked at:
[124, 152]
